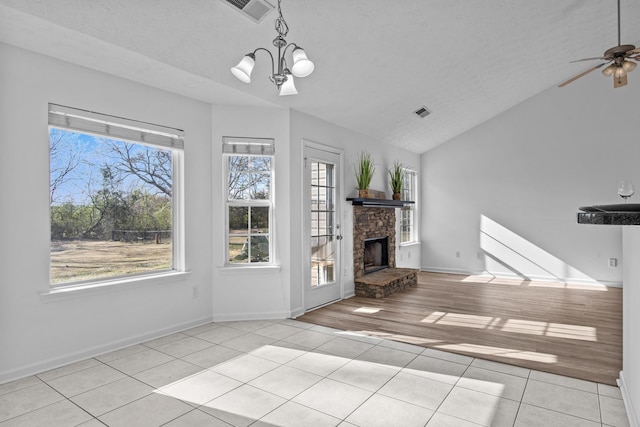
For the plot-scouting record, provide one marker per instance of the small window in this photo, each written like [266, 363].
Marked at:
[113, 194]
[249, 200]
[408, 232]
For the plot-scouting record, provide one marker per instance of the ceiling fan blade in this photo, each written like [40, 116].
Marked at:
[620, 81]
[582, 74]
[588, 59]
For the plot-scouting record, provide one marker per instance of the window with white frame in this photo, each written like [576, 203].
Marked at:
[249, 200]
[408, 232]
[114, 197]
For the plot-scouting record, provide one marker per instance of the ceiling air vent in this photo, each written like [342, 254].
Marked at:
[255, 10]
[422, 112]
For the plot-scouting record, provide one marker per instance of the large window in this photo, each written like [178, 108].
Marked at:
[249, 199]
[408, 232]
[113, 197]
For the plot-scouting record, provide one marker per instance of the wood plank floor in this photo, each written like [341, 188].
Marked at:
[565, 329]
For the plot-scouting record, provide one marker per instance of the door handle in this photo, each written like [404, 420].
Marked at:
[339, 237]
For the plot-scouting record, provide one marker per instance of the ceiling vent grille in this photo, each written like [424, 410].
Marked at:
[422, 112]
[255, 10]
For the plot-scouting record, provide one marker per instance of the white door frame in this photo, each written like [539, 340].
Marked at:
[305, 239]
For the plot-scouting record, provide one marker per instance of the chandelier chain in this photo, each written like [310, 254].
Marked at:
[281, 25]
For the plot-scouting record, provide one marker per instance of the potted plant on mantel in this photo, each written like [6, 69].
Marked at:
[364, 169]
[396, 176]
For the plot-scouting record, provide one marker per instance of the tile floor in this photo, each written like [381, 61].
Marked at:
[290, 373]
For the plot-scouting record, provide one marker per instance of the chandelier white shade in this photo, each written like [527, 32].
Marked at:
[281, 76]
[243, 70]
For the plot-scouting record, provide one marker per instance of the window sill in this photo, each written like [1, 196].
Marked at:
[55, 294]
[409, 244]
[250, 269]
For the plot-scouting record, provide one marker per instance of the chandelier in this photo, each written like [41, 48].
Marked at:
[283, 76]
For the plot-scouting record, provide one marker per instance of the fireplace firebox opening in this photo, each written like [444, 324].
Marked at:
[376, 254]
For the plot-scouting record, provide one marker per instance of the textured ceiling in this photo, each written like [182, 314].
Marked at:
[377, 61]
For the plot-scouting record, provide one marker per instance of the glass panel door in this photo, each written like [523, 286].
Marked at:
[322, 219]
[322, 227]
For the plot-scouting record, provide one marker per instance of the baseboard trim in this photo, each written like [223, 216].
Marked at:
[628, 405]
[57, 362]
[515, 276]
[235, 317]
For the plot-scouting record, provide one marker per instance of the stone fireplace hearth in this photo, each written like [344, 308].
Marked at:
[377, 224]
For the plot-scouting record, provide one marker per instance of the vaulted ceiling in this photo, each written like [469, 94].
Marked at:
[377, 61]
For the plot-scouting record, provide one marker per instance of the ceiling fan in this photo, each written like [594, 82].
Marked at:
[618, 59]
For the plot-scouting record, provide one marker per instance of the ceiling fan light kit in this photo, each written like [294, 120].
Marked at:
[619, 59]
[282, 77]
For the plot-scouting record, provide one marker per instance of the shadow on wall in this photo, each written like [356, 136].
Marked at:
[522, 257]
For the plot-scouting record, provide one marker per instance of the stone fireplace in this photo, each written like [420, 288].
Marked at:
[373, 224]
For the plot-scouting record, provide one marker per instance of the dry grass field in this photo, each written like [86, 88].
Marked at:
[79, 260]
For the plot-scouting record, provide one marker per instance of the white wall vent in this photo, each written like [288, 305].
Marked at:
[255, 10]
[422, 112]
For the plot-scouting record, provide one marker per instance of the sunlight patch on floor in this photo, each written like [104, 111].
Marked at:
[499, 351]
[519, 326]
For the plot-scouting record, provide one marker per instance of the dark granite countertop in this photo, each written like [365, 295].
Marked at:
[620, 214]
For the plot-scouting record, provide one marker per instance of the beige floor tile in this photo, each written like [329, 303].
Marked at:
[220, 334]
[245, 368]
[479, 408]
[285, 381]
[533, 416]
[183, 347]
[85, 380]
[243, 406]
[501, 367]
[309, 339]
[562, 399]
[112, 396]
[212, 356]
[59, 414]
[168, 373]
[248, 342]
[27, 399]
[367, 375]
[19, 384]
[387, 356]
[200, 329]
[123, 352]
[417, 390]
[493, 382]
[613, 412]
[277, 331]
[344, 348]
[436, 369]
[197, 418]
[318, 363]
[278, 353]
[165, 340]
[200, 388]
[139, 362]
[451, 357]
[609, 391]
[332, 397]
[68, 369]
[383, 411]
[443, 420]
[292, 414]
[150, 411]
[252, 325]
[546, 377]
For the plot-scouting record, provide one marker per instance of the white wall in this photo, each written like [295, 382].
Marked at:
[306, 127]
[504, 196]
[36, 333]
[257, 292]
[630, 375]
